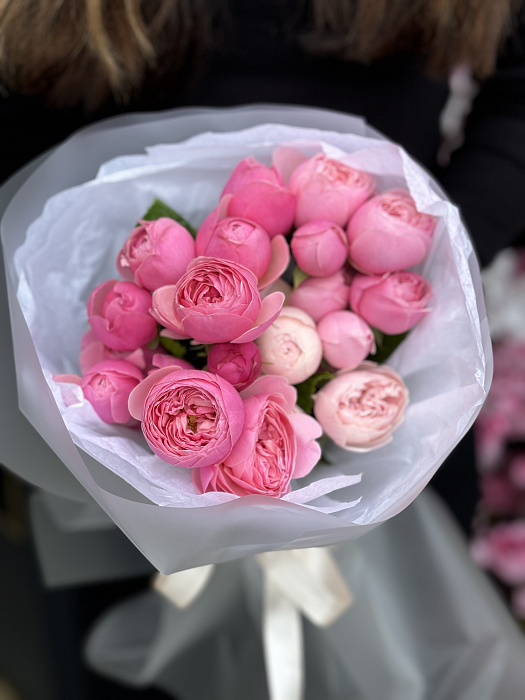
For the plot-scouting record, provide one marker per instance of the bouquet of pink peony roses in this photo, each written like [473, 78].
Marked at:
[180, 344]
[214, 363]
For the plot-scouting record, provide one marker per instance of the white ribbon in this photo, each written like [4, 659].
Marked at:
[298, 581]
[184, 587]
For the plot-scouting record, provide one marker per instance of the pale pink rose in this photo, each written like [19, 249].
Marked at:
[258, 193]
[118, 313]
[216, 301]
[276, 445]
[359, 409]
[156, 253]
[392, 303]
[347, 339]
[238, 363]
[319, 296]
[190, 418]
[502, 551]
[291, 346]
[328, 189]
[387, 233]
[107, 386]
[319, 248]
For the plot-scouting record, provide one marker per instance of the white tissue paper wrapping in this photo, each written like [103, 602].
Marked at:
[72, 246]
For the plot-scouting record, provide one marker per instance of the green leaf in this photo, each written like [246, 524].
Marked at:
[159, 209]
[175, 347]
[298, 276]
[307, 389]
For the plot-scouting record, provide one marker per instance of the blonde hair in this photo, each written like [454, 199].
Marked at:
[82, 51]
[445, 32]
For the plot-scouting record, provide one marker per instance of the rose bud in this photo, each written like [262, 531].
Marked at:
[251, 170]
[243, 242]
[190, 418]
[291, 346]
[387, 233]
[238, 363]
[258, 193]
[216, 301]
[156, 253]
[257, 465]
[393, 303]
[119, 315]
[360, 408]
[107, 386]
[319, 296]
[347, 339]
[328, 189]
[319, 248]
[239, 240]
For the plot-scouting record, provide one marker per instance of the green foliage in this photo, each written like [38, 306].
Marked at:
[159, 209]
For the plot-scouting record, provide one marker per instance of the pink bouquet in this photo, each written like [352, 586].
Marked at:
[233, 398]
[231, 363]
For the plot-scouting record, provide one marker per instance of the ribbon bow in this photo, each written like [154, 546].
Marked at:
[298, 581]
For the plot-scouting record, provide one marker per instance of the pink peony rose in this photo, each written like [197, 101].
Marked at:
[119, 315]
[276, 445]
[156, 253]
[291, 346]
[347, 339]
[107, 386]
[258, 193]
[393, 303]
[359, 409]
[318, 296]
[319, 248]
[190, 418]
[502, 550]
[238, 363]
[216, 301]
[328, 189]
[251, 170]
[387, 233]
